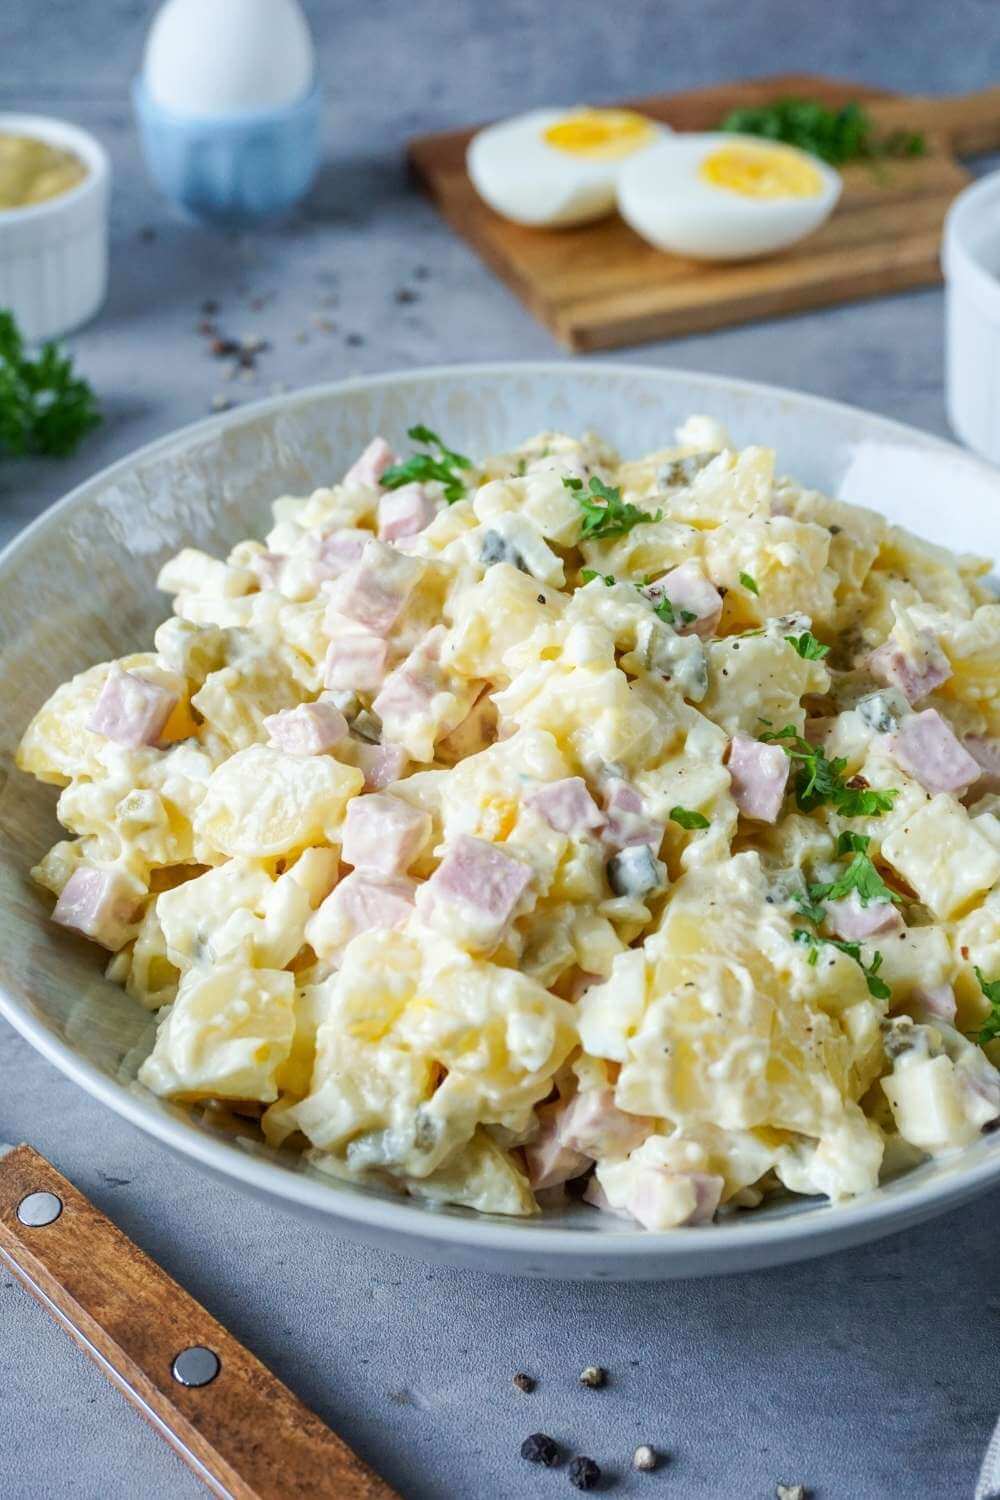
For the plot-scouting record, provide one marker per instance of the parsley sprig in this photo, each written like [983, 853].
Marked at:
[44, 408]
[860, 875]
[589, 574]
[687, 818]
[749, 582]
[835, 135]
[808, 647]
[819, 780]
[990, 1028]
[672, 614]
[422, 467]
[876, 986]
[605, 513]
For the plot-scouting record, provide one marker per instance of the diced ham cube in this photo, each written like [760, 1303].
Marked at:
[925, 746]
[548, 1160]
[593, 1124]
[339, 550]
[310, 729]
[567, 806]
[667, 1200]
[374, 590]
[477, 885]
[372, 464]
[935, 1003]
[383, 834]
[98, 903]
[131, 710]
[915, 671]
[359, 903]
[986, 751]
[595, 1195]
[404, 512]
[758, 775]
[356, 660]
[627, 822]
[268, 566]
[855, 923]
[690, 592]
[410, 689]
[380, 764]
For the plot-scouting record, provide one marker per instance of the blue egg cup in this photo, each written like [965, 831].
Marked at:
[234, 170]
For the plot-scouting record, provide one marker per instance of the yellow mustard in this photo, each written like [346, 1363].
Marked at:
[32, 171]
[761, 172]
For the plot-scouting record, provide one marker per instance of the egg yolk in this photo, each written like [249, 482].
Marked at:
[600, 134]
[762, 173]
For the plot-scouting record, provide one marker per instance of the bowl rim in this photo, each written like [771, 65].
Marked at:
[53, 131]
[797, 1236]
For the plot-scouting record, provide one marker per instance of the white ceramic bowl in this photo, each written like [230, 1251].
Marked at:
[971, 260]
[54, 255]
[77, 587]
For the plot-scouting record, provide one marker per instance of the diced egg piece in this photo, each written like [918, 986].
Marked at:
[554, 167]
[724, 196]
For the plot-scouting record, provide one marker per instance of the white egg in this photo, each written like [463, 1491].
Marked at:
[224, 57]
[555, 167]
[724, 196]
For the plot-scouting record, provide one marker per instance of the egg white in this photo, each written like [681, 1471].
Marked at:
[523, 178]
[663, 198]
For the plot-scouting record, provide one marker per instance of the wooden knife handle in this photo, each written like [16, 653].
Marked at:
[244, 1433]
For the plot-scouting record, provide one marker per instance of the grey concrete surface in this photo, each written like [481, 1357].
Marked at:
[870, 1375]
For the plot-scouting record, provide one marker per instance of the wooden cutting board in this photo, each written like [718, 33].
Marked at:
[600, 286]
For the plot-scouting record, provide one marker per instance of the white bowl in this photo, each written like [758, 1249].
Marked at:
[77, 587]
[971, 261]
[54, 255]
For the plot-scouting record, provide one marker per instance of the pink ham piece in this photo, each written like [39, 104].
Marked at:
[383, 835]
[653, 1198]
[855, 923]
[310, 729]
[593, 1124]
[98, 903]
[986, 752]
[404, 512]
[758, 775]
[926, 747]
[480, 884]
[549, 1161]
[410, 689]
[688, 589]
[626, 820]
[374, 590]
[369, 467]
[935, 1003]
[131, 710]
[268, 566]
[380, 765]
[340, 550]
[356, 662]
[362, 902]
[567, 806]
[916, 672]
[595, 1195]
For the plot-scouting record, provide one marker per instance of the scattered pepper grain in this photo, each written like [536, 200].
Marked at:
[524, 1382]
[539, 1448]
[791, 1492]
[584, 1473]
[645, 1458]
[594, 1377]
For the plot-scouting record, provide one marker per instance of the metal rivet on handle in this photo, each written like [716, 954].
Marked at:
[195, 1366]
[39, 1209]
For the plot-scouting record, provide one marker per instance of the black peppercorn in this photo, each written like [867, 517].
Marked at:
[539, 1448]
[584, 1473]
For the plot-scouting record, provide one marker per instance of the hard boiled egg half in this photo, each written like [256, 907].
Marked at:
[725, 196]
[556, 167]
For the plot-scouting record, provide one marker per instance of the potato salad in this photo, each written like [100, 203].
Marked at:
[553, 825]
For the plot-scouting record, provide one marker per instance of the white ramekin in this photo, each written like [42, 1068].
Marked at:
[54, 255]
[971, 260]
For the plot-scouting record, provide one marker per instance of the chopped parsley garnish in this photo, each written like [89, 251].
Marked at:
[688, 819]
[749, 582]
[808, 908]
[671, 615]
[834, 135]
[860, 875]
[808, 647]
[420, 468]
[876, 986]
[990, 1028]
[605, 513]
[44, 408]
[588, 574]
[819, 780]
